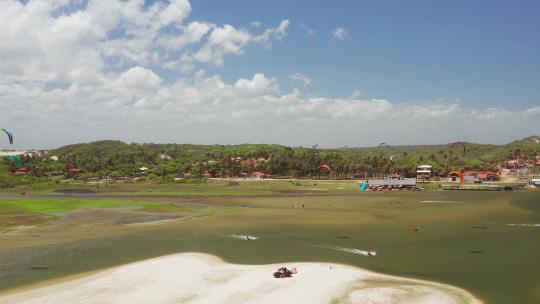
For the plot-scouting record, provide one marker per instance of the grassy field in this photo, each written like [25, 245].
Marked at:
[28, 211]
[202, 187]
[464, 236]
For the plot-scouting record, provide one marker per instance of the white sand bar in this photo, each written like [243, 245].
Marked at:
[201, 278]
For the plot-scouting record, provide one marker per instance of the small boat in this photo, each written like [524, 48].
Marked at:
[283, 272]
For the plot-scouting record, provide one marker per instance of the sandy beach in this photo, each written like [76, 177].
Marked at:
[202, 278]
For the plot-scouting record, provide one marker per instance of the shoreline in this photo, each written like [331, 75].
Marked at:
[187, 278]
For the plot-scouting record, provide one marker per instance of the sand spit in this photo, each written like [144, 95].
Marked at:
[201, 278]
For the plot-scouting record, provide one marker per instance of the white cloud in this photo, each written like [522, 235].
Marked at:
[255, 24]
[281, 30]
[43, 42]
[308, 31]
[223, 40]
[192, 33]
[136, 105]
[306, 80]
[139, 78]
[94, 73]
[230, 40]
[339, 34]
[258, 85]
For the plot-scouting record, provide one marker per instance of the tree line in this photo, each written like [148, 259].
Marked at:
[116, 159]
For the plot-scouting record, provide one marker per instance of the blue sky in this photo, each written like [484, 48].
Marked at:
[331, 73]
[486, 53]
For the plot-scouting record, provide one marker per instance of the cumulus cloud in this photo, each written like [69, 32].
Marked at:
[230, 40]
[306, 80]
[136, 105]
[192, 33]
[96, 73]
[339, 34]
[65, 41]
[258, 85]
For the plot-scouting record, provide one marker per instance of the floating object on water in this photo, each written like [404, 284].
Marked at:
[479, 227]
[417, 228]
[242, 237]
[343, 237]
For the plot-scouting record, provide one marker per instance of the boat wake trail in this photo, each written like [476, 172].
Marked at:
[242, 237]
[523, 225]
[438, 202]
[345, 249]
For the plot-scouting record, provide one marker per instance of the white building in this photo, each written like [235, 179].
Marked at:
[423, 173]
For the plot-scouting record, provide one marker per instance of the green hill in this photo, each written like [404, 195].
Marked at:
[109, 157]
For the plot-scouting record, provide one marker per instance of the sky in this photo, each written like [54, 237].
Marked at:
[327, 73]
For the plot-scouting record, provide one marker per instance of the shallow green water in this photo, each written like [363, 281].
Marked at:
[463, 239]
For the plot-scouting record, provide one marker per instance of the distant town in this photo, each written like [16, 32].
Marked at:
[385, 167]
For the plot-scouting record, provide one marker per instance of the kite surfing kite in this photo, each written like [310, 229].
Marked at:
[383, 146]
[363, 186]
[457, 143]
[10, 136]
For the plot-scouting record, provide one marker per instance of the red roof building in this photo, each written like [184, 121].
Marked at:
[21, 171]
[74, 171]
[482, 175]
[248, 162]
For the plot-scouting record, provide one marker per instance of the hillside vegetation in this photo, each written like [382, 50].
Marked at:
[116, 158]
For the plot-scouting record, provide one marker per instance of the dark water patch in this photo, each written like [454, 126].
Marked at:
[343, 237]
[476, 252]
[38, 268]
[479, 227]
